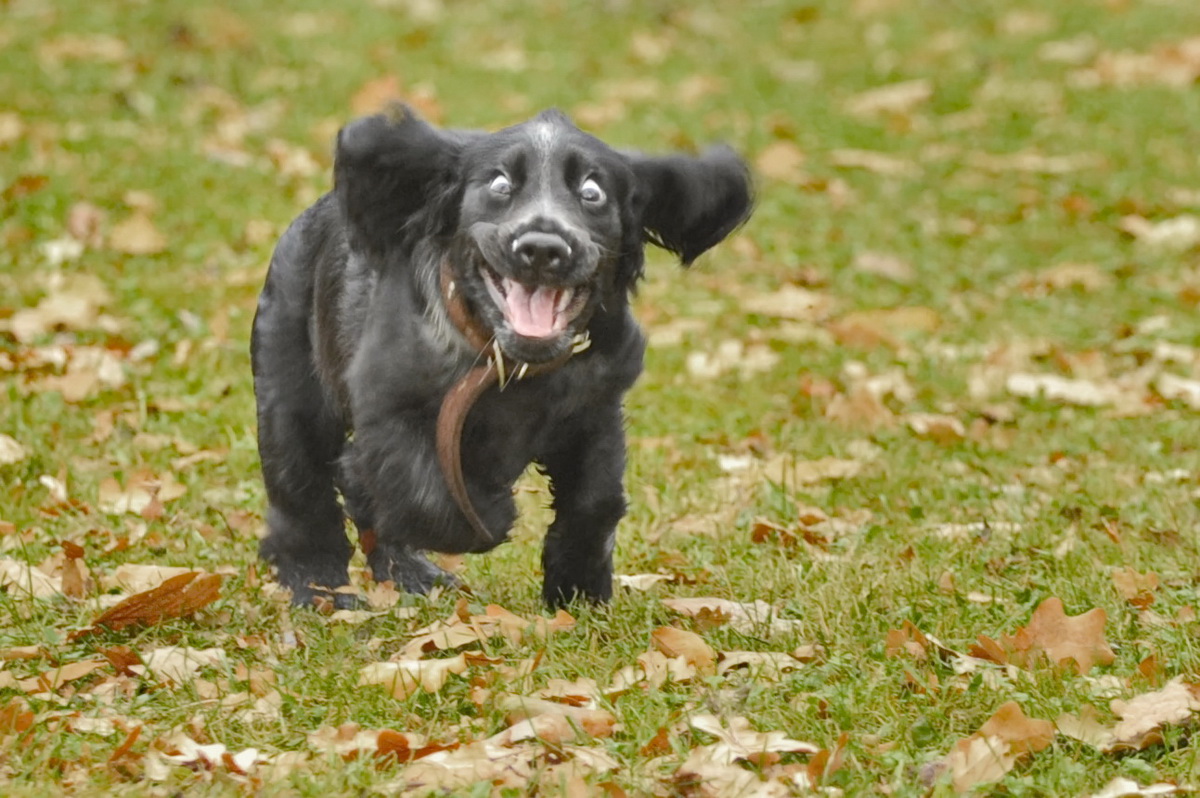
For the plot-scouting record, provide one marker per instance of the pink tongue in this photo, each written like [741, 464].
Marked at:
[531, 313]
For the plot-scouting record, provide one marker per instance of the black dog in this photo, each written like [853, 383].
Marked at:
[421, 336]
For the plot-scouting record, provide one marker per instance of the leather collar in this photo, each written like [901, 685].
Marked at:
[495, 368]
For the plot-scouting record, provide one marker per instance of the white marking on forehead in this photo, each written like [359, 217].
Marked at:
[544, 135]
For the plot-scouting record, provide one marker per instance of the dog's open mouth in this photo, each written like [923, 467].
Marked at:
[534, 311]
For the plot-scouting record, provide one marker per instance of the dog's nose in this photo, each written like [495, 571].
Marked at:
[541, 250]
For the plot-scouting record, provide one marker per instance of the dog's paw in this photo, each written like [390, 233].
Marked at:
[596, 588]
[410, 570]
[319, 597]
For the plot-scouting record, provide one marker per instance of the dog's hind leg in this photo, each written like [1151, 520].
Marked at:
[299, 439]
[585, 471]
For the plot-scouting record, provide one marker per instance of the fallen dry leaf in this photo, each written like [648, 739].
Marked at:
[787, 471]
[51, 680]
[179, 664]
[137, 235]
[1024, 735]
[1076, 640]
[1085, 727]
[11, 452]
[70, 304]
[27, 581]
[739, 741]
[1174, 388]
[461, 629]
[878, 162]
[137, 578]
[1142, 717]
[349, 741]
[789, 302]
[681, 643]
[896, 98]
[1121, 787]
[595, 722]
[782, 161]
[654, 669]
[1055, 388]
[938, 427]
[882, 264]
[1136, 588]
[749, 618]
[182, 750]
[769, 666]
[177, 597]
[641, 582]
[407, 676]
[978, 760]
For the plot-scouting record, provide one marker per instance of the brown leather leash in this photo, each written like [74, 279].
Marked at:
[461, 397]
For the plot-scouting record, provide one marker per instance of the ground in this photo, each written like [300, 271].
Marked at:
[936, 407]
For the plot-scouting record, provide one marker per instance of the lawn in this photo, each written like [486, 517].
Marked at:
[914, 468]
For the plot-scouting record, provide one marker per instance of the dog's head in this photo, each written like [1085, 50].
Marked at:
[541, 222]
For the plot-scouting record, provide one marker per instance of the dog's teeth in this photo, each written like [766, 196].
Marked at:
[564, 299]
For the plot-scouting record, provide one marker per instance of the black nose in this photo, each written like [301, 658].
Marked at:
[541, 250]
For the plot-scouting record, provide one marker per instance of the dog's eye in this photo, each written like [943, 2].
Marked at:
[591, 193]
[500, 185]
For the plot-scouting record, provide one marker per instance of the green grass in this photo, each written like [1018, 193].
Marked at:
[248, 77]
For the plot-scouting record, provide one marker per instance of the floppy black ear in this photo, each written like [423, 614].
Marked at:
[391, 171]
[689, 204]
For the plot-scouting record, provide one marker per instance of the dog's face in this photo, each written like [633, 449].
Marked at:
[543, 223]
[541, 227]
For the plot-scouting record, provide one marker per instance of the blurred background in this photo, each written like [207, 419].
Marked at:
[949, 368]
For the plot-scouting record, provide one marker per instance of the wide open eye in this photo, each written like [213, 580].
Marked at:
[591, 193]
[500, 185]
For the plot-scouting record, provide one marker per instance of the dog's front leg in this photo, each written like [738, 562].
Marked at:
[585, 471]
[395, 460]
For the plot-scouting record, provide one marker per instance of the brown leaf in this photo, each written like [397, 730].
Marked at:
[1143, 716]
[908, 640]
[137, 235]
[1085, 727]
[886, 265]
[26, 581]
[937, 427]
[766, 666]
[177, 597]
[1136, 588]
[15, 717]
[407, 676]
[877, 162]
[896, 98]
[1022, 734]
[739, 740]
[1078, 639]
[749, 618]
[74, 304]
[1121, 787]
[179, 664]
[55, 678]
[681, 643]
[72, 575]
[782, 161]
[596, 722]
[978, 760]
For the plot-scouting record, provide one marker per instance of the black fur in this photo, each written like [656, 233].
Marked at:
[353, 352]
